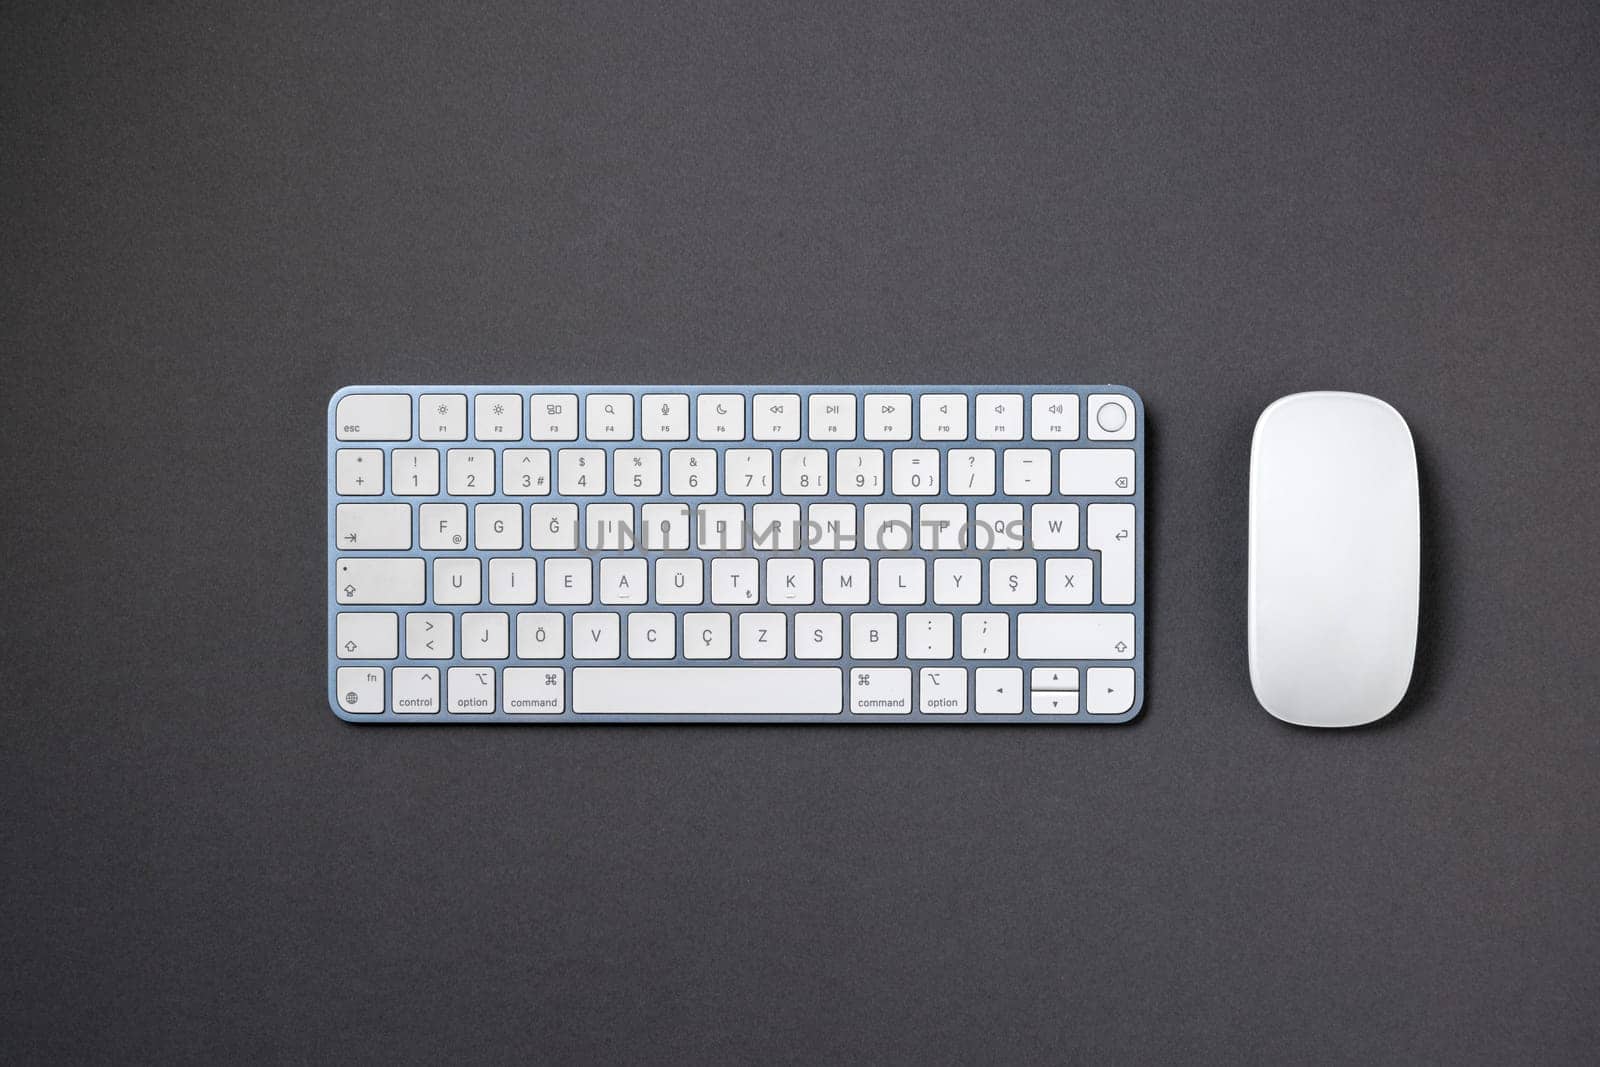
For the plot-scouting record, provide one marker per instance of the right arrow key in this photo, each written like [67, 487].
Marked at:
[1109, 690]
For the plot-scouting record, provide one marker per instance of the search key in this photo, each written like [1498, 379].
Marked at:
[609, 417]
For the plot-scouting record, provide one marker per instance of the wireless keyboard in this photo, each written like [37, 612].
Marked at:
[736, 554]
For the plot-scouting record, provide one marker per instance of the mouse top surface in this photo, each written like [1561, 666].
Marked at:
[1335, 554]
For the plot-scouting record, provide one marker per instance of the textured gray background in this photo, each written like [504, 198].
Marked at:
[213, 216]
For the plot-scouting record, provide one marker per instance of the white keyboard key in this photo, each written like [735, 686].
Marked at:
[997, 528]
[1108, 690]
[999, 417]
[719, 527]
[513, 581]
[692, 472]
[832, 417]
[372, 526]
[1055, 417]
[360, 690]
[608, 417]
[859, 471]
[791, 582]
[553, 527]
[1053, 702]
[748, 471]
[485, 635]
[1097, 472]
[652, 634]
[942, 527]
[526, 471]
[880, 691]
[458, 580]
[430, 635]
[887, 528]
[367, 634]
[720, 417]
[1027, 471]
[831, 527]
[568, 581]
[541, 635]
[775, 527]
[1112, 529]
[803, 472]
[985, 635]
[914, 472]
[902, 581]
[533, 690]
[497, 417]
[846, 581]
[469, 471]
[775, 417]
[442, 527]
[753, 691]
[581, 471]
[942, 690]
[553, 417]
[680, 581]
[1068, 581]
[1013, 581]
[442, 417]
[1053, 678]
[363, 580]
[957, 581]
[707, 635]
[887, 417]
[414, 471]
[998, 690]
[596, 635]
[874, 635]
[373, 417]
[763, 635]
[664, 417]
[734, 581]
[1075, 635]
[971, 471]
[638, 471]
[608, 527]
[416, 690]
[623, 581]
[358, 472]
[497, 527]
[1111, 417]
[1052, 527]
[818, 635]
[930, 635]
[470, 690]
[664, 527]
[943, 417]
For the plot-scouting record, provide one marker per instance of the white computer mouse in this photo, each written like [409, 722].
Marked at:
[1335, 552]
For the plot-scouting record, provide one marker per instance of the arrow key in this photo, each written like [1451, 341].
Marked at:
[1045, 702]
[1109, 690]
[1054, 679]
[430, 635]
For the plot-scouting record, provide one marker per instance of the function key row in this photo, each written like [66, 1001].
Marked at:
[731, 417]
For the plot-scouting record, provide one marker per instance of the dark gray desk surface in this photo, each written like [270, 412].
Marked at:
[216, 215]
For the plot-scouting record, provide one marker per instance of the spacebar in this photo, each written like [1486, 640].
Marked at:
[707, 691]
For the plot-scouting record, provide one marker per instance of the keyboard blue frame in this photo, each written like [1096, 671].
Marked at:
[748, 391]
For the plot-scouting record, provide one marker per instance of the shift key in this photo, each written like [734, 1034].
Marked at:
[1075, 635]
[362, 580]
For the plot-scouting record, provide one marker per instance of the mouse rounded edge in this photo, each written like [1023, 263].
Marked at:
[1334, 559]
